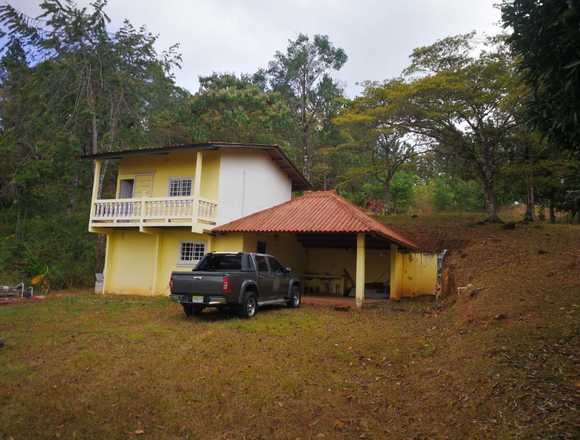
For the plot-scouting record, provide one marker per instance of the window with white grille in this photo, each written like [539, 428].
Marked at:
[180, 187]
[191, 252]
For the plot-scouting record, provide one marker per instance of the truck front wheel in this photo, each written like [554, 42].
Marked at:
[295, 297]
[192, 309]
[249, 306]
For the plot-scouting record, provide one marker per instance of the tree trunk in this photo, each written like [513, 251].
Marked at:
[491, 203]
[306, 169]
[387, 198]
[304, 125]
[552, 211]
[529, 216]
[94, 134]
[18, 226]
[92, 104]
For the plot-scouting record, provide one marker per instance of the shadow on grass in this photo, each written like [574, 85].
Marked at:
[212, 314]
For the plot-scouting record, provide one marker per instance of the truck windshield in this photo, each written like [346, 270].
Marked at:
[218, 262]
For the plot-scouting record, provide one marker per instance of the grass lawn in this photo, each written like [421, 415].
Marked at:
[500, 364]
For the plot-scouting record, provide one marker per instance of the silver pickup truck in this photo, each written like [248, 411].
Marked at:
[237, 280]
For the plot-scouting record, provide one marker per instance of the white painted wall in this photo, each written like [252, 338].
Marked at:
[249, 181]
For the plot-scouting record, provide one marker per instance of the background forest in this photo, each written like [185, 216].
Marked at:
[474, 123]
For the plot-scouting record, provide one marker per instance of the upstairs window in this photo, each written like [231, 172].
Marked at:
[180, 187]
[191, 252]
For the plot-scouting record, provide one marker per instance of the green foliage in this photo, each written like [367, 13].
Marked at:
[457, 195]
[301, 75]
[369, 193]
[70, 86]
[237, 109]
[370, 135]
[546, 37]
[463, 105]
[403, 191]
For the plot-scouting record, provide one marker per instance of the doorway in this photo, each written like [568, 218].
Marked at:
[126, 188]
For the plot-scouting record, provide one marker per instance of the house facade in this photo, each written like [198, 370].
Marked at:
[174, 204]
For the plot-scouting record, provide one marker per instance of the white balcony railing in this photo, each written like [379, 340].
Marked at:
[153, 211]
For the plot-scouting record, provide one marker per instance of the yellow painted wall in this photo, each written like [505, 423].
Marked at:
[177, 164]
[419, 275]
[169, 255]
[131, 267]
[210, 175]
[414, 274]
[228, 243]
[396, 273]
[130, 263]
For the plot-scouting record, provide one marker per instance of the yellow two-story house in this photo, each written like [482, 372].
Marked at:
[174, 204]
[168, 199]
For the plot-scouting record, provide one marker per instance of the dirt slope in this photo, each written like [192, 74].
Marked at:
[519, 318]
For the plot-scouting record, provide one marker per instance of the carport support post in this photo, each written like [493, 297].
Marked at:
[360, 270]
[395, 277]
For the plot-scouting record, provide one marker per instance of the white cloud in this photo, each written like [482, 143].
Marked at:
[242, 35]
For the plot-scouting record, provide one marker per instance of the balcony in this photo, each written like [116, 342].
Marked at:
[196, 212]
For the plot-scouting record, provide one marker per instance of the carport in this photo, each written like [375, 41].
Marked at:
[323, 235]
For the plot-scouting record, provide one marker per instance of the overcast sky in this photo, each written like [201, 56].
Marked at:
[242, 35]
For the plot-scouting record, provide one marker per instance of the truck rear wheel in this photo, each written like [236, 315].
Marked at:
[192, 309]
[248, 308]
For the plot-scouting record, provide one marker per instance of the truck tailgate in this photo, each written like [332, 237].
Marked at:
[197, 283]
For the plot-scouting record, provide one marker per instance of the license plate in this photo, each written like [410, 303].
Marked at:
[197, 299]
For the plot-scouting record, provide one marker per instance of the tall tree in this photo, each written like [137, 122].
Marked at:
[373, 141]
[464, 104]
[71, 86]
[302, 76]
[546, 37]
[238, 109]
[113, 79]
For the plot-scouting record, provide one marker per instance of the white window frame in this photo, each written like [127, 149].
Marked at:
[180, 186]
[193, 260]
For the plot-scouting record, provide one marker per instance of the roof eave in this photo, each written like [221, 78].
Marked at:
[404, 244]
[299, 182]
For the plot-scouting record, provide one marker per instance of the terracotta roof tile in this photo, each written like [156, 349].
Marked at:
[314, 212]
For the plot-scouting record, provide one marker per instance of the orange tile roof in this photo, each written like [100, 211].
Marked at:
[314, 212]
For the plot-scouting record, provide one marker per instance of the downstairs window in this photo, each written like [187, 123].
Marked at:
[191, 252]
